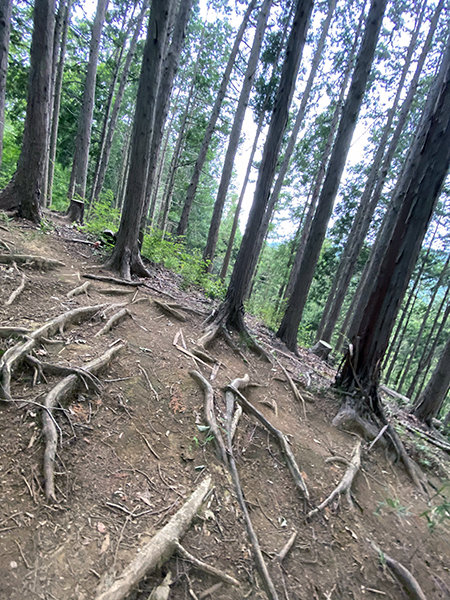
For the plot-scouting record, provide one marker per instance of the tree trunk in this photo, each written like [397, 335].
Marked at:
[367, 206]
[190, 195]
[427, 354]
[5, 25]
[105, 151]
[78, 176]
[25, 188]
[126, 258]
[419, 335]
[432, 398]
[231, 310]
[233, 142]
[162, 108]
[351, 320]
[121, 184]
[419, 187]
[289, 325]
[57, 103]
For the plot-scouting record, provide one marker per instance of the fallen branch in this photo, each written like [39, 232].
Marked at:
[281, 438]
[210, 417]
[79, 290]
[40, 262]
[114, 320]
[431, 439]
[17, 353]
[281, 555]
[406, 579]
[345, 485]
[195, 358]
[292, 385]
[169, 311]
[55, 396]
[160, 548]
[17, 291]
[202, 566]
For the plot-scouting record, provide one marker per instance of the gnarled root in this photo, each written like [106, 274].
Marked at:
[57, 394]
[114, 320]
[17, 291]
[345, 485]
[81, 289]
[160, 548]
[39, 262]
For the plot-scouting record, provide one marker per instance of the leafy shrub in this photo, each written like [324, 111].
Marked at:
[103, 215]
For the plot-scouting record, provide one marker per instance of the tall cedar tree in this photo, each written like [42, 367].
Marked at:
[418, 188]
[5, 24]
[24, 191]
[126, 258]
[231, 311]
[78, 177]
[289, 325]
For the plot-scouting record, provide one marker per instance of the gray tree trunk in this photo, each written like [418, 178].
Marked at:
[57, 103]
[432, 398]
[289, 325]
[5, 25]
[231, 310]
[126, 258]
[24, 191]
[78, 175]
[374, 184]
[192, 189]
[236, 129]
[105, 150]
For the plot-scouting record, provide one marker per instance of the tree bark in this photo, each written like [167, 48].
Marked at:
[231, 310]
[126, 258]
[105, 151]
[78, 175]
[369, 200]
[24, 191]
[5, 26]
[190, 195]
[57, 103]
[433, 396]
[233, 142]
[419, 188]
[289, 325]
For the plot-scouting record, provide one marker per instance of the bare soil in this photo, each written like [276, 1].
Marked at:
[129, 456]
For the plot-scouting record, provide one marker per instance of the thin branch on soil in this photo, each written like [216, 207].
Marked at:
[81, 289]
[147, 379]
[233, 414]
[281, 555]
[160, 548]
[431, 439]
[281, 438]
[202, 566]
[345, 485]
[293, 387]
[169, 311]
[210, 591]
[17, 353]
[17, 291]
[39, 262]
[406, 579]
[195, 358]
[114, 320]
[147, 443]
[379, 436]
[210, 417]
[55, 396]
[112, 280]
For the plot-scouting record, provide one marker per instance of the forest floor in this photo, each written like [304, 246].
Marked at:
[130, 453]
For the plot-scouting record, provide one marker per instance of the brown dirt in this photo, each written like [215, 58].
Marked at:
[61, 550]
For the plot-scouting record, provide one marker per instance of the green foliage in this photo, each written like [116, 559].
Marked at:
[173, 254]
[103, 215]
[393, 505]
[441, 513]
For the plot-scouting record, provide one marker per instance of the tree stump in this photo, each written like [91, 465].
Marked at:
[321, 349]
[76, 211]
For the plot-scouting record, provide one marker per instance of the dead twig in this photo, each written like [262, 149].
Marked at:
[292, 385]
[286, 548]
[345, 485]
[147, 379]
[202, 566]
[159, 549]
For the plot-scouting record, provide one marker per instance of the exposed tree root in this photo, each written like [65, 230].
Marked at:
[39, 262]
[281, 439]
[345, 485]
[168, 310]
[160, 548]
[7, 332]
[293, 387]
[56, 395]
[114, 320]
[5, 245]
[401, 573]
[17, 353]
[233, 415]
[110, 279]
[17, 291]
[202, 566]
[89, 380]
[431, 439]
[114, 292]
[210, 417]
[81, 289]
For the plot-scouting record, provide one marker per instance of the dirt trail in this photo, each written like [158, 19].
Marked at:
[129, 455]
